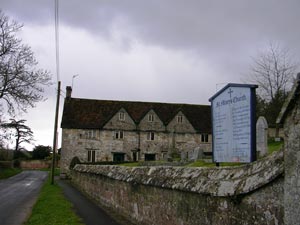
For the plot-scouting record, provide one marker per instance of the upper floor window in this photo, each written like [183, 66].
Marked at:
[179, 119]
[89, 134]
[119, 134]
[204, 137]
[121, 116]
[150, 118]
[91, 155]
[150, 136]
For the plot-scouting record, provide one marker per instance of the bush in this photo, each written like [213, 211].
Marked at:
[41, 152]
[74, 161]
[17, 163]
[22, 155]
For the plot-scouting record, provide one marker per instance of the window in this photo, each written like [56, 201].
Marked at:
[121, 116]
[204, 137]
[91, 155]
[179, 119]
[150, 118]
[90, 134]
[150, 136]
[119, 134]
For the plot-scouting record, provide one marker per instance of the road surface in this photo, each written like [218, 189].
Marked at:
[18, 195]
[87, 209]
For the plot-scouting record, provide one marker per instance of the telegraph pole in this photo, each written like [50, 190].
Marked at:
[58, 91]
[55, 133]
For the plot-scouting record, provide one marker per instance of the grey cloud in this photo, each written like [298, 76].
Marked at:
[175, 23]
[222, 31]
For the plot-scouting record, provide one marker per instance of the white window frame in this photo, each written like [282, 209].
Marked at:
[204, 138]
[119, 134]
[151, 136]
[121, 116]
[150, 118]
[91, 156]
[179, 119]
[90, 134]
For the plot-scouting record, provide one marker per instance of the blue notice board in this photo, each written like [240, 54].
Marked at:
[233, 123]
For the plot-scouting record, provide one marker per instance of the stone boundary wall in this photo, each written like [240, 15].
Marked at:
[249, 194]
[35, 164]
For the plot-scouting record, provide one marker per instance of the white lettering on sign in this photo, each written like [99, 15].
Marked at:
[232, 125]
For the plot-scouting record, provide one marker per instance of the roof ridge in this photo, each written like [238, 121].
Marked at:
[138, 101]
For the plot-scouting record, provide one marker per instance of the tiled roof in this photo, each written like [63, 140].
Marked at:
[94, 114]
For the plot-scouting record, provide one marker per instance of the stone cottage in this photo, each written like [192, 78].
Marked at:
[102, 130]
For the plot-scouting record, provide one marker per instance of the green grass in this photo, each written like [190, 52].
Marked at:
[52, 208]
[56, 171]
[201, 163]
[274, 146]
[8, 172]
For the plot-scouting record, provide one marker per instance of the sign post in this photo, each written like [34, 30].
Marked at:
[233, 119]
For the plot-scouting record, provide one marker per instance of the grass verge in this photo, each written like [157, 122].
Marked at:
[274, 146]
[52, 208]
[9, 172]
[201, 163]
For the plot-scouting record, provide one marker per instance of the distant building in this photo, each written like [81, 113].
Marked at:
[101, 130]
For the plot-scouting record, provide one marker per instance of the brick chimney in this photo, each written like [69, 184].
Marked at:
[68, 92]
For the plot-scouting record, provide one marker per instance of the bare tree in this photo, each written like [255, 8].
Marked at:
[21, 132]
[21, 82]
[273, 70]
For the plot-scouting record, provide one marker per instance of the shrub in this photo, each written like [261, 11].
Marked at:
[74, 161]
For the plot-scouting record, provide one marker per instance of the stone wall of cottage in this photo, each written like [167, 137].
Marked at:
[75, 142]
[175, 137]
[250, 194]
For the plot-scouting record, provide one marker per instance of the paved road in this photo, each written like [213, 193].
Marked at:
[18, 194]
[88, 210]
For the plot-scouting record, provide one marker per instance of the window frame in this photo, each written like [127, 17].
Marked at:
[179, 119]
[204, 138]
[119, 134]
[151, 136]
[121, 116]
[150, 118]
[91, 155]
[88, 134]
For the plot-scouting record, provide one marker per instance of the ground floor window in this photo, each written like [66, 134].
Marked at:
[118, 157]
[149, 157]
[91, 155]
[204, 137]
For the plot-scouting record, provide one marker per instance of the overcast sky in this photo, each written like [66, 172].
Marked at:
[157, 50]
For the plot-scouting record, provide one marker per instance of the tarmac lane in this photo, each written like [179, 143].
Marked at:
[87, 209]
[18, 195]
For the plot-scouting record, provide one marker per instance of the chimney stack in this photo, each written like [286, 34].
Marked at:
[68, 92]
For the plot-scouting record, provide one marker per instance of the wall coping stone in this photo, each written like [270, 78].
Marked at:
[218, 181]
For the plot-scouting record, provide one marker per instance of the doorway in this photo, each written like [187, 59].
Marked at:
[149, 157]
[118, 157]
